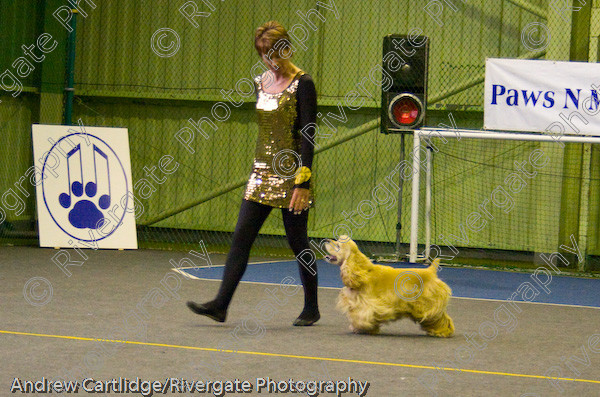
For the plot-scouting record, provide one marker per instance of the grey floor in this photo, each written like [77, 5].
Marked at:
[134, 296]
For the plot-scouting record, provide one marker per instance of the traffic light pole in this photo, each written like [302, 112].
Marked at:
[398, 255]
[400, 186]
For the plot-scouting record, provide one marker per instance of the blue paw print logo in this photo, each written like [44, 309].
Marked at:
[85, 214]
[79, 193]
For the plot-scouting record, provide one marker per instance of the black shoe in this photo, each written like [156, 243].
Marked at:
[206, 310]
[306, 320]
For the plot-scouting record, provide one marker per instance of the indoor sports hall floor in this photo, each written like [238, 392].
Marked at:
[122, 314]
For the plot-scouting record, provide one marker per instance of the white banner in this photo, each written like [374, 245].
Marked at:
[84, 189]
[542, 96]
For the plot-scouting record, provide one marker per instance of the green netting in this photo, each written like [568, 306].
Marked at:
[516, 199]
[160, 67]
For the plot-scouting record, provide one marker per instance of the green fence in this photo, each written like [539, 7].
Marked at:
[159, 67]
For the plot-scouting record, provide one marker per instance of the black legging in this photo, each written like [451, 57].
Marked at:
[251, 218]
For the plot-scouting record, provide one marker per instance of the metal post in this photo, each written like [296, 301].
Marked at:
[428, 173]
[501, 135]
[584, 206]
[414, 210]
[70, 70]
[400, 183]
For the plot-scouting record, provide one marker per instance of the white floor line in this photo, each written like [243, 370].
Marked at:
[454, 297]
[534, 303]
[211, 266]
[186, 274]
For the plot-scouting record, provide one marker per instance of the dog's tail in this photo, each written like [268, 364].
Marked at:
[435, 265]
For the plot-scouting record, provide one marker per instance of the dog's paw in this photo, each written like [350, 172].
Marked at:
[441, 328]
[363, 331]
[357, 330]
[447, 333]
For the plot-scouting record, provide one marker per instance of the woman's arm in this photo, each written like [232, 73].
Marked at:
[306, 107]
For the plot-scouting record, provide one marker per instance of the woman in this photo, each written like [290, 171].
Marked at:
[286, 106]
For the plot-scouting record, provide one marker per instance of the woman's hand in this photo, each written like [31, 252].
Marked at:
[299, 200]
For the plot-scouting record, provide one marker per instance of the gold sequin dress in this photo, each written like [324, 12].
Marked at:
[278, 149]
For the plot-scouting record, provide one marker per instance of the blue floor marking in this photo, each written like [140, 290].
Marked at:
[465, 283]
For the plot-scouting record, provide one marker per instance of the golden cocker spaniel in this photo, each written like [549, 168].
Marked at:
[376, 294]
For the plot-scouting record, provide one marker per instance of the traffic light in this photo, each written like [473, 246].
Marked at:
[404, 104]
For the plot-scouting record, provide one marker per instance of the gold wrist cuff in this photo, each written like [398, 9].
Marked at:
[303, 175]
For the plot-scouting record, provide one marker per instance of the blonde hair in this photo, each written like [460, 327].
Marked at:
[268, 35]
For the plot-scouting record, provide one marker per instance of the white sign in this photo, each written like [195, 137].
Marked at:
[84, 190]
[542, 96]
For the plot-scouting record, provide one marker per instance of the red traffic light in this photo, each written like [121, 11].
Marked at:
[405, 110]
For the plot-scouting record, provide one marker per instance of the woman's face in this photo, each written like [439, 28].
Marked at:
[275, 60]
[272, 60]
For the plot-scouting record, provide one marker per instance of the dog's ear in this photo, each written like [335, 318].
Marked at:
[353, 250]
[349, 248]
[353, 247]
[356, 266]
[352, 277]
